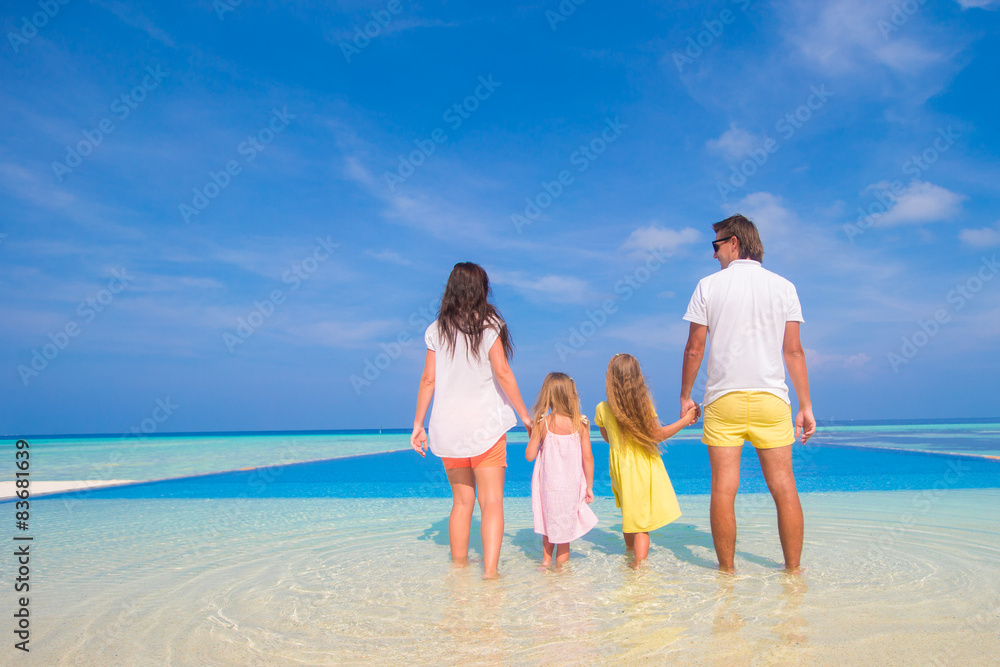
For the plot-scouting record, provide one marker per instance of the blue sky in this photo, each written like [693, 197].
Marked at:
[262, 158]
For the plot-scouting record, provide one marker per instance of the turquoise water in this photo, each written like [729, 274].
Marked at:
[166, 456]
[334, 550]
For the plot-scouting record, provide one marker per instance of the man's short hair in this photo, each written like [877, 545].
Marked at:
[746, 233]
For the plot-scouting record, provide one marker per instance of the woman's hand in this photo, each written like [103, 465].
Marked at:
[589, 496]
[418, 439]
[526, 420]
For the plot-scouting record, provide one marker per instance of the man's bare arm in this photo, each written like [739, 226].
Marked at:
[694, 352]
[795, 360]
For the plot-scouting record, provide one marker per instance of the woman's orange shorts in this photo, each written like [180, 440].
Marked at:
[494, 457]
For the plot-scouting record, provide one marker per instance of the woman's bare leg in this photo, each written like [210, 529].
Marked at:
[489, 484]
[463, 492]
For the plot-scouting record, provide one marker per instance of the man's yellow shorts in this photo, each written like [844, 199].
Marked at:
[758, 416]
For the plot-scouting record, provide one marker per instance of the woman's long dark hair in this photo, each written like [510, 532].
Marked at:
[465, 309]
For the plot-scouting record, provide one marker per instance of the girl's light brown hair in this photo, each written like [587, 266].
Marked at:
[631, 403]
[558, 394]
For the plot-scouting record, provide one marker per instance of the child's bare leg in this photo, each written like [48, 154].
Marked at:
[546, 551]
[562, 554]
[641, 547]
[629, 541]
[463, 492]
[489, 482]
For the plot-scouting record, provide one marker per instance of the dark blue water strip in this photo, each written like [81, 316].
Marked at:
[406, 474]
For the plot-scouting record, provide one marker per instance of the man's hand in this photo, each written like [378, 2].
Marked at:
[805, 424]
[686, 405]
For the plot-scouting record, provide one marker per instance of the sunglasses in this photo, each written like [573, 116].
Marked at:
[716, 244]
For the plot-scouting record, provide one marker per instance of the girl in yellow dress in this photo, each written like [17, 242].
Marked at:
[629, 423]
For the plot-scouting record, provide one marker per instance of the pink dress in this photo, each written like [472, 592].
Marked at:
[558, 488]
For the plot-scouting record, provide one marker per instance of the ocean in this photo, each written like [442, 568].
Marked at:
[332, 548]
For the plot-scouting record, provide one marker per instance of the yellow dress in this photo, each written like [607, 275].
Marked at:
[639, 480]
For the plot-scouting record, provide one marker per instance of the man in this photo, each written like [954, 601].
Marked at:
[751, 316]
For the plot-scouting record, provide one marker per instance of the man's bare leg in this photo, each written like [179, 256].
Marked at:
[777, 467]
[725, 483]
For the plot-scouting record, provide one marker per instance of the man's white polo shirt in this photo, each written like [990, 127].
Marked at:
[745, 307]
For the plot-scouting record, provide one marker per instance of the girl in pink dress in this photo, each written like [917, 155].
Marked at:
[562, 484]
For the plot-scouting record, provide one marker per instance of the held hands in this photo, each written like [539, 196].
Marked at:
[526, 420]
[805, 424]
[687, 405]
[691, 414]
[418, 439]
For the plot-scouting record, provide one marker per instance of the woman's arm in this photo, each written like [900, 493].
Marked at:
[588, 461]
[535, 441]
[505, 376]
[418, 439]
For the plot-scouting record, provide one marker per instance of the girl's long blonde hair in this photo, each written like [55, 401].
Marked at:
[558, 394]
[631, 403]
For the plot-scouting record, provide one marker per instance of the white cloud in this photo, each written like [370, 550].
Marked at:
[816, 360]
[920, 203]
[987, 237]
[136, 19]
[341, 333]
[655, 332]
[768, 212]
[734, 143]
[978, 4]
[389, 256]
[424, 210]
[654, 237]
[844, 36]
[558, 289]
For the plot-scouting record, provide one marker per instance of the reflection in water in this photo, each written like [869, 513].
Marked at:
[472, 614]
[791, 625]
[647, 600]
[726, 620]
[563, 628]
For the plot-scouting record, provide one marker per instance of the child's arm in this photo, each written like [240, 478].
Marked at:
[418, 439]
[505, 376]
[689, 417]
[535, 441]
[588, 460]
[604, 434]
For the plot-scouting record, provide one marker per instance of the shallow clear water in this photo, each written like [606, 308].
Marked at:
[343, 580]
[346, 560]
